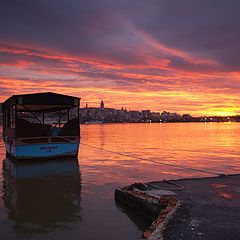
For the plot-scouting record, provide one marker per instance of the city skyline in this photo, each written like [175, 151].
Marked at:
[102, 114]
[176, 56]
[101, 104]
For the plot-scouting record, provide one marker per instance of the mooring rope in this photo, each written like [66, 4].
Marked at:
[148, 160]
[154, 161]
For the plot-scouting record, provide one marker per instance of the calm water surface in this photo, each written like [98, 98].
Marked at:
[74, 199]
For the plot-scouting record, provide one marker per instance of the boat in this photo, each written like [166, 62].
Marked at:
[41, 125]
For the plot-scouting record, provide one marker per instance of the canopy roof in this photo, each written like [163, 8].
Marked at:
[41, 101]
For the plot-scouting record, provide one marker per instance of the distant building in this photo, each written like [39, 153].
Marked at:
[170, 117]
[135, 116]
[146, 115]
[186, 117]
[102, 104]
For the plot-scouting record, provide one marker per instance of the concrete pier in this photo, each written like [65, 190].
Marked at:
[187, 209]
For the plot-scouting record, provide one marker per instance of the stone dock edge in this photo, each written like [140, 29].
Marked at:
[157, 208]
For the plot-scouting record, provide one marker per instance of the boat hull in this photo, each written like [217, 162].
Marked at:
[42, 150]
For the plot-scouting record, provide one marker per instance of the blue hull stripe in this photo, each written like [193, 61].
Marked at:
[46, 150]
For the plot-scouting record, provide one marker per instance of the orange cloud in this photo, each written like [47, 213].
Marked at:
[156, 85]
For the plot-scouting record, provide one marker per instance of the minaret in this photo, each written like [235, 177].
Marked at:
[102, 104]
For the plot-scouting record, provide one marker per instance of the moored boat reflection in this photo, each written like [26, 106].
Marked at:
[42, 196]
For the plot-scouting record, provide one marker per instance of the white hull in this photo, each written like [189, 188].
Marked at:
[42, 150]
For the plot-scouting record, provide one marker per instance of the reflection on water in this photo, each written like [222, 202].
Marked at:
[141, 222]
[41, 196]
[212, 147]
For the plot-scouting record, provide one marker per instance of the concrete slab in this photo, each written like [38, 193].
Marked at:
[209, 207]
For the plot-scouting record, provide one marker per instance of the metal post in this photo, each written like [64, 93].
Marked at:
[59, 116]
[15, 120]
[78, 110]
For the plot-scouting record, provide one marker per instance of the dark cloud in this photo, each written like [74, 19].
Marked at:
[89, 28]
[107, 29]
[207, 28]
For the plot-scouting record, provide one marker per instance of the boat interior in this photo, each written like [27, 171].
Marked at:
[41, 118]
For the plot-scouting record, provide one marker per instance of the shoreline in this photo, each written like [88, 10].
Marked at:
[89, 123]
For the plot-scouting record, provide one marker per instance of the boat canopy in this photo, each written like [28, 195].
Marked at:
[48, 115]
[38, 102]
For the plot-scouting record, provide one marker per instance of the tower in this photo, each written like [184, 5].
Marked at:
[102, 104]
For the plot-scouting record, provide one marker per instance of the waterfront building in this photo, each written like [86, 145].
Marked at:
[135, 116]
[146, 115]
[186, 117]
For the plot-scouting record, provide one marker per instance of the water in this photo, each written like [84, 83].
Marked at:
[75, 199]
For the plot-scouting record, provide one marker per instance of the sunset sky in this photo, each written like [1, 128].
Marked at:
[179, 56]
